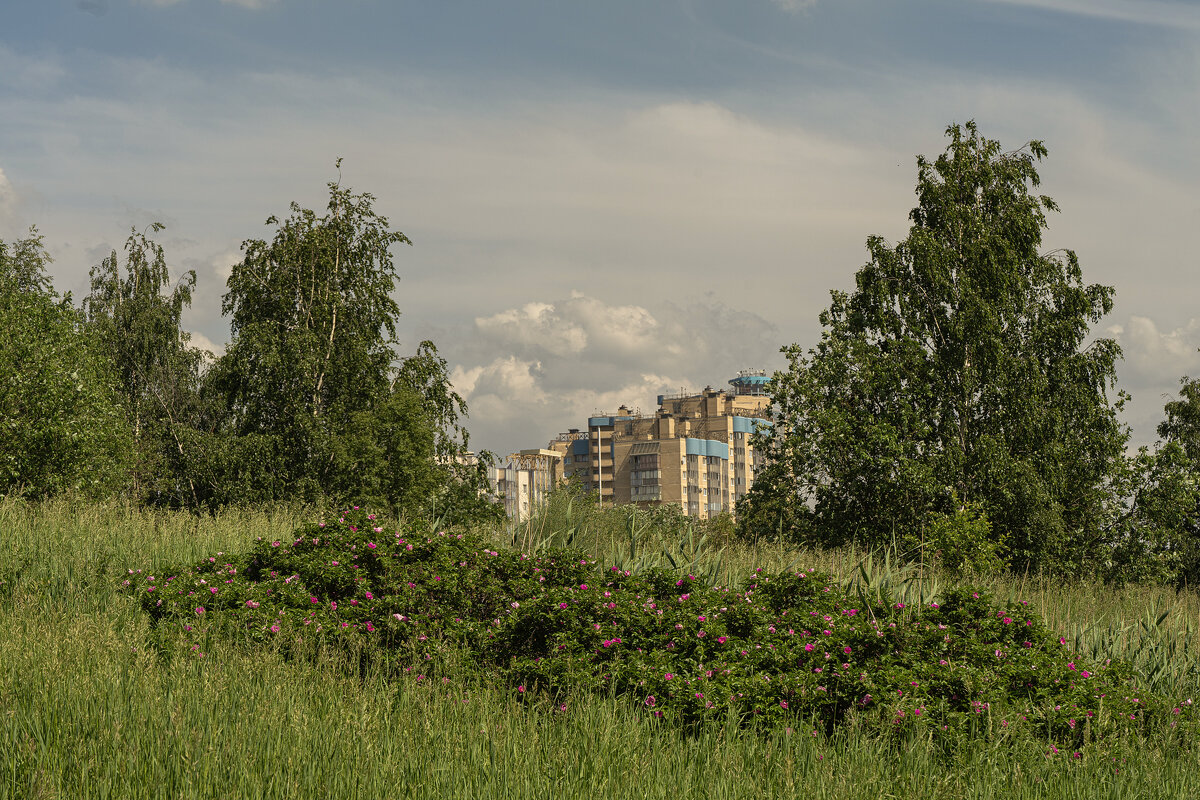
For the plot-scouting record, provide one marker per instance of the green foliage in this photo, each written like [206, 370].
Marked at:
[1163, 655]
[773, 509]
[722, 527]
[313, 321]
[787, 647]
[1154, 532]
[306, 403]
[61, 425]
[628, 536]
[1155, 536]
[309, 402]
[455, 482]
[961, 542]
[135, 315]
[1182, 422]
[23, 266]
[956, 369]
[386, 456]
[425, 374]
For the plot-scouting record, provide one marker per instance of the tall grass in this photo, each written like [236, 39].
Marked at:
[94, 704]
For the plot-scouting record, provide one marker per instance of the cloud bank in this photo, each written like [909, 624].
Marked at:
[1142, 12]
[8, 198]
[744, 186]
[1157, 357]
[536, 370]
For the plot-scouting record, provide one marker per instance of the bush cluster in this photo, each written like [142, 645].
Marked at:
[794, 647]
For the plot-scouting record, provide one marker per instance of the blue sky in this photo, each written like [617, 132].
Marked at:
[606, 200]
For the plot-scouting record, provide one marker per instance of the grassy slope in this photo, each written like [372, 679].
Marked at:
[91, 707]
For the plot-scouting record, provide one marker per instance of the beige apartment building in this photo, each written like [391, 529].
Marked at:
[693, 453]
[525, 479]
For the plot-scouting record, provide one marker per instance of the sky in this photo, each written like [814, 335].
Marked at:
[606, 201]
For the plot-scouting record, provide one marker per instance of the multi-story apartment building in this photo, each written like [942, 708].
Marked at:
[525, 480]
[694, 453]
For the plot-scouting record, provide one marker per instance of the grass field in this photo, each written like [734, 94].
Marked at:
[93, 704]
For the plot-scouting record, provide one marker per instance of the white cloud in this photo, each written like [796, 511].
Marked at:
[535, 325]
[1170, 348]
[1156, 358]
[532, 371]
[506, 376]
[222, 265]
[1143, 12]
[8, 198]
[511, 409]
[1156, 355]
[199, 340]
[22, 72]
[793, 6]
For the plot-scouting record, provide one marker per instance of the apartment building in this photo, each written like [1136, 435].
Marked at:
[694, 452]
[523, 482]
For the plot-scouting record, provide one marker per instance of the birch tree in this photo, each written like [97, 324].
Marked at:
[959, 371]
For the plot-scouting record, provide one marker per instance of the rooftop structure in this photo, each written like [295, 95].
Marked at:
[753, 382]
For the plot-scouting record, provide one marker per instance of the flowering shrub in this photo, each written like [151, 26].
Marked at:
[790, 646]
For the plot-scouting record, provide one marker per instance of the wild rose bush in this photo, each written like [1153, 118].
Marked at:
[792, 646]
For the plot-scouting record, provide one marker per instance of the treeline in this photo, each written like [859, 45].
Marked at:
[958, 408]
[310, 401]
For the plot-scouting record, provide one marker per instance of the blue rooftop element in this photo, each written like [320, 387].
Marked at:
[742, 425]
[601, 422]
[707, 447]
[750, 384]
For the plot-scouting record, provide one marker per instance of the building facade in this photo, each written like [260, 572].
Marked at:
[694, 453]
[523, 482]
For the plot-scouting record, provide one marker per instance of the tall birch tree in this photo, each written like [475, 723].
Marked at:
[959, 373]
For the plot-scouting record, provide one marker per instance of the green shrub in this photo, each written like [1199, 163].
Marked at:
[962, 542]
[787, 646]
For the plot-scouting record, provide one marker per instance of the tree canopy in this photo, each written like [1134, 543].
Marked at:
[309, 403]
[958, 371]
[312, 399]
[62, 427]
[136, 316]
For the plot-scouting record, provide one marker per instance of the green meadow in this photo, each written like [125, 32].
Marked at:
[96, 703]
